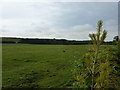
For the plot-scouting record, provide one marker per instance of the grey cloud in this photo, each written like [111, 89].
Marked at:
[68, 20]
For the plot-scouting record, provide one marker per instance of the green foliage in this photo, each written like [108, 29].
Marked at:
[116, 38]
[98, 67]
[106, 71]
[82, 79]
[98, 38]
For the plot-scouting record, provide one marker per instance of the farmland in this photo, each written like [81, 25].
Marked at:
[40, 66]
[28, 65]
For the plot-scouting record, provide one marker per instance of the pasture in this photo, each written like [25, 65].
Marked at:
[39, 66]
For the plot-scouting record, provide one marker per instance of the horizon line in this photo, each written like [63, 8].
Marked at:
[47, 38]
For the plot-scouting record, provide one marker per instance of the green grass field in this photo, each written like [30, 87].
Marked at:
[40, 66]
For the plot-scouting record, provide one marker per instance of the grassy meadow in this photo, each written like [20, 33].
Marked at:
[39, 66]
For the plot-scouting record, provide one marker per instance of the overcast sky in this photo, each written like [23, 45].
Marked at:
[66, 20]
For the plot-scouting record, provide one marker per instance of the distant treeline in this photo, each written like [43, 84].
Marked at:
[48, 41]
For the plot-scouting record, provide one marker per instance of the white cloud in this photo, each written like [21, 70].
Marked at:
[112, 28]
[78, 32]
[55, 20]
[47, 30]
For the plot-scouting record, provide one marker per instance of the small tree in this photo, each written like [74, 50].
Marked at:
[99, 67]
[90, 70]
[97, 39]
